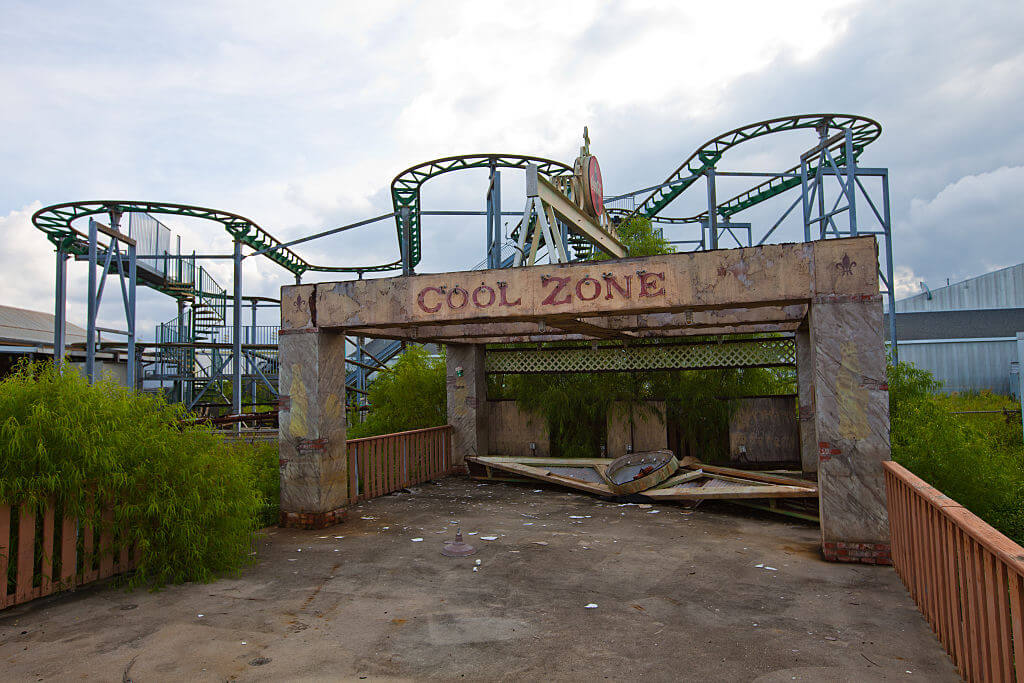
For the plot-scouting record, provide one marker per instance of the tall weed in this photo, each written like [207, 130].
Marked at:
[188, 508]
[969, 461]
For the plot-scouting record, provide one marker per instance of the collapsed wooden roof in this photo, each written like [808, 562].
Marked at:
[694, 481]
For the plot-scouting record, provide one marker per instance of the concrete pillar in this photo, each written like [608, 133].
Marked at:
[467, 401]
[805, 399]
[851, 423]
[313, 458]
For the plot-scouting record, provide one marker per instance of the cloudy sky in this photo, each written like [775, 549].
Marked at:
[298, 115]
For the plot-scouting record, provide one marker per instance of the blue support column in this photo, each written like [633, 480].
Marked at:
[133, 381]
[712, 209]
[851, 181]
[91, 306]
[60, 310]
[236, 337]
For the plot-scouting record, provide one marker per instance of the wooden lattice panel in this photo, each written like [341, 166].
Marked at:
[750, 353]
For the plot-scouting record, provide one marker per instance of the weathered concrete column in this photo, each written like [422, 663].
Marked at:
[314, 465]
[467, 401]
[805, 398]
[851, 421]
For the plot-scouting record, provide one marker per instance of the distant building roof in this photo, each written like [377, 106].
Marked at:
[20, 326]
[1002, 288]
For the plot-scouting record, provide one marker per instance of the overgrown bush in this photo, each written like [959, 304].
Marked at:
[411, 394]
[980, 469]
[698, 403]
[262, 460]
[189, 509]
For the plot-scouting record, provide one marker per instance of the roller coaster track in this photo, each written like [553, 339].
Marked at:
[405, 188]
[864, 131]
[56, 221]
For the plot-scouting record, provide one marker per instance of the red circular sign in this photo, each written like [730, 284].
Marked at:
[595, 187]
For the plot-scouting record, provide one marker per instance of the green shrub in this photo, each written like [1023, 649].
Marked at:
[982, 472]
[190, 510]
[575, 405]
[262, 460]
[411, 394]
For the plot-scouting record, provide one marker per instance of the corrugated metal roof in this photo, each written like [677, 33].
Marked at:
[22, 326]
[999, 289]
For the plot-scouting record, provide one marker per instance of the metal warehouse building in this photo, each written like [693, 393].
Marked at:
[966, 333]
[29, 334]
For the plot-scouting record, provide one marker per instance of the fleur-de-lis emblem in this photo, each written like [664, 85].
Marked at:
[845, 267]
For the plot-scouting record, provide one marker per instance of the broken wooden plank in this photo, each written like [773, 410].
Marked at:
[544, 475]
[563, 462]
[746, 474]
[731, 492]
[680, 479]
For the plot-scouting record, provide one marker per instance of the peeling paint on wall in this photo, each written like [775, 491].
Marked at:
[851, 396]
[297, 423]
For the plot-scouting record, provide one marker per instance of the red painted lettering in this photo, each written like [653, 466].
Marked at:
[612, 282]
[649, 284]
[503, 291]
[465, 298]
[487, 290]
[560, 284]
[596, 286]
[421, 300]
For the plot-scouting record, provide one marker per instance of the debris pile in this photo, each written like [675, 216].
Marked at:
[654, 475]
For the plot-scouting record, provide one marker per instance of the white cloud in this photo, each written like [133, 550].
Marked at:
[299, 119]
[972, 226]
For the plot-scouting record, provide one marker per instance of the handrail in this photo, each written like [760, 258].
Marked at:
[965, 577]
[977, 528]
[406, 433]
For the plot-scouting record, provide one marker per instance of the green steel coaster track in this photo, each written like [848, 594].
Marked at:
[864, 131]
[56, 221]
[405, 188]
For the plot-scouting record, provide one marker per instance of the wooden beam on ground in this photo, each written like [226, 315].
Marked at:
[541, 474]
[732, 492]
[755, 476]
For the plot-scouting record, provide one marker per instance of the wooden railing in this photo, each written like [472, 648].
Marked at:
[966, 577]
[378, 465]
[41, 555]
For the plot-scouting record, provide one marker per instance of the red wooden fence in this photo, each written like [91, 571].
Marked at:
[378, 465]
[31, 566]
[966, 577]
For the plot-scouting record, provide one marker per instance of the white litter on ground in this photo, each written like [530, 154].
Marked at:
[339, 537]
[653, 512]
[590, 605]
[488, 538]
[416, 540]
